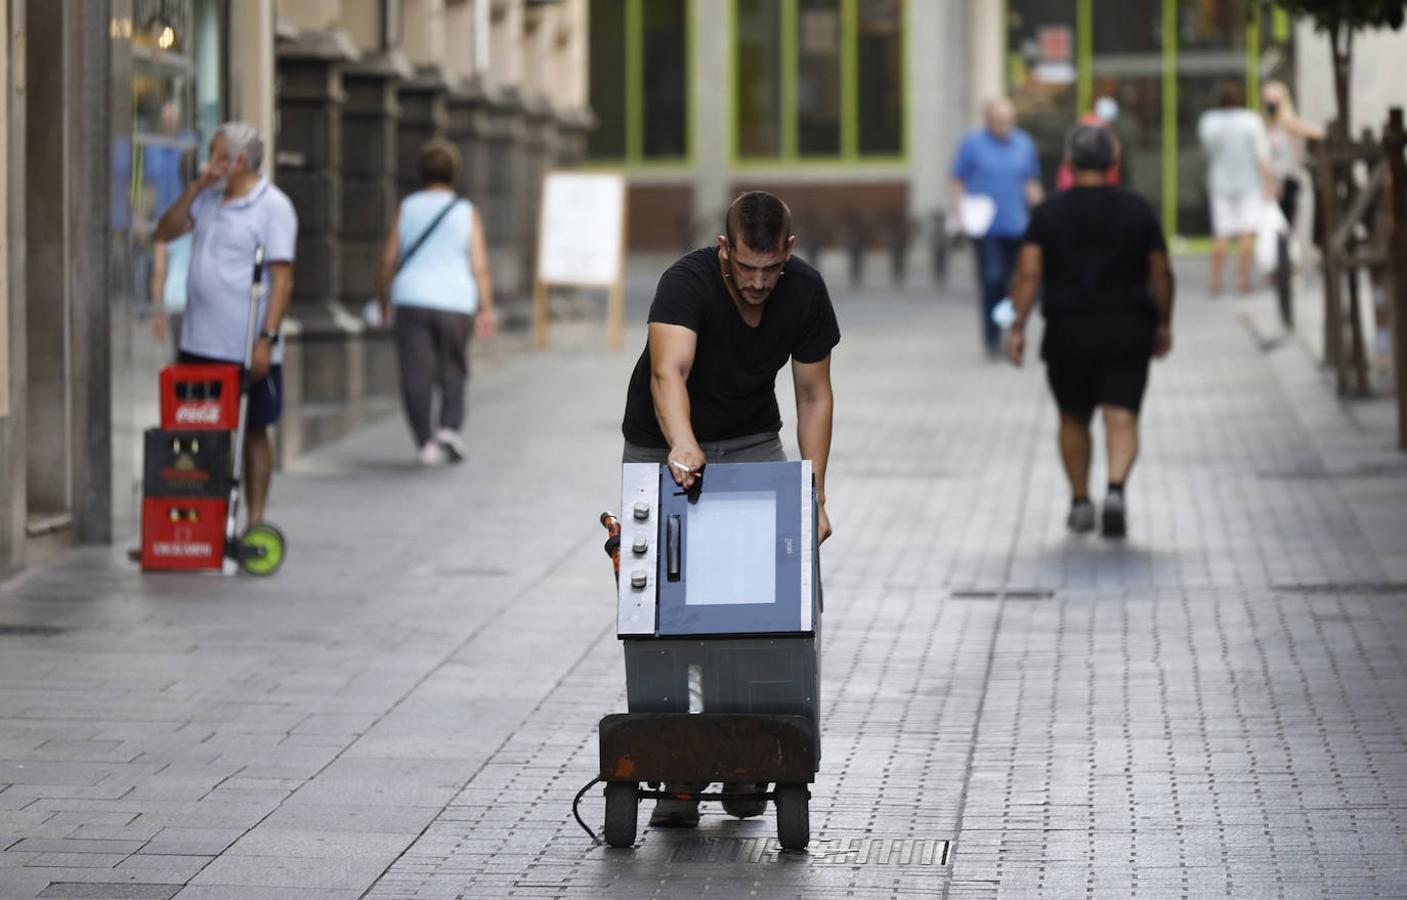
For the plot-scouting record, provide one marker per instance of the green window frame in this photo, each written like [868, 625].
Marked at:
[789, 52]
[622, 98]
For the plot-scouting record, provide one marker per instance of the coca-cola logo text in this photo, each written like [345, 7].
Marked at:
[198, 414]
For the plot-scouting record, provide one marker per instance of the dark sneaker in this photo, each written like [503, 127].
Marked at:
[1114, 522]
[672, 813]
[675, 814]
[741, 803]
[1081, 518]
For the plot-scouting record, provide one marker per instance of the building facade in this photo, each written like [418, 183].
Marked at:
[108, 108]
[851, 108]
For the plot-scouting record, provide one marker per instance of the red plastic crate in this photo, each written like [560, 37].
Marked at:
[201, 397]
[183, 532]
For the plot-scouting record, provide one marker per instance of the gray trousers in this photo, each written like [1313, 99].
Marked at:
[432, 346]
[766, 447]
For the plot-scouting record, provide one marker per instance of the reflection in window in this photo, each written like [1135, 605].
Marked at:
[607, 140]
[881, 87]
[177, 103]
[759, 82]
[818, 78]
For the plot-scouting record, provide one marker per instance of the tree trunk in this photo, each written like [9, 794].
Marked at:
[1343, 69]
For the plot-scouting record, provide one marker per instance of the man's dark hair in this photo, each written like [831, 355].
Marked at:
[759, 220]
[1090, 148]
[439, 162]
[1230, 94]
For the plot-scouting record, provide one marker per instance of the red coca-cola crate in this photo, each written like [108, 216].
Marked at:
[183, 532]
[202, 397]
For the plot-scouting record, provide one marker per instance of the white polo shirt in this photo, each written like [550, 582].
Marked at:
[222, 267]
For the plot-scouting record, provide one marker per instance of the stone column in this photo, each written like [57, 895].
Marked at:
[503, 125]
[573, 127]
[465, 114]
[538, 154]
[370, 194]
[319, 351]
[423, 104]
[370, 119]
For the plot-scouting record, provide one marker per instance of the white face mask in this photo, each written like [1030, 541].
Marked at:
[1107, 108]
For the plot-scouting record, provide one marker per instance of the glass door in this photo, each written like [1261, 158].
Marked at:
[731, 555]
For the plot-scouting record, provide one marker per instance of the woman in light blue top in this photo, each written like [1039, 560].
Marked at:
[434, 271]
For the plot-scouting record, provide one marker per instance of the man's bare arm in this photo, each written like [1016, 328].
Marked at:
[280, 293]
[1035, 192]
[815, 410]
[1024, 285]
[386, 265]
[672, 349]
[1160, 282]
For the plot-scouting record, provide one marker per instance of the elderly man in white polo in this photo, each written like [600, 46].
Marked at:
[233, 210]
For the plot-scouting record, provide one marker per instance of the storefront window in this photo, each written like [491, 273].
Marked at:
[819, 79]
[639, 80]
[1041, 46]
[759, 82]
[177, 103]
[607, 141]
[881, 77]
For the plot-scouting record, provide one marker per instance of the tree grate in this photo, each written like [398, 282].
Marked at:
[1343, 587]
[1010, 594]
[896, 852]
[30, 630]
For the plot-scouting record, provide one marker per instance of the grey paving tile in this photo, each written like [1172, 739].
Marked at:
[291, 871]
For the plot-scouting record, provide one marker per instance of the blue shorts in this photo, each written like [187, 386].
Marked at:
[265, 397]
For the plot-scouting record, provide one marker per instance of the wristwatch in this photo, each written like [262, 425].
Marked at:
[270, 336]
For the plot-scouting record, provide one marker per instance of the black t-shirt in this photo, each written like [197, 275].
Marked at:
[732, 384]
[1094, 245]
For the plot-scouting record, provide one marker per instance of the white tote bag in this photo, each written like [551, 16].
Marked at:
[1271, 225]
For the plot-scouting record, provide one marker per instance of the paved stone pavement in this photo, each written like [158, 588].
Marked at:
[1215, 707]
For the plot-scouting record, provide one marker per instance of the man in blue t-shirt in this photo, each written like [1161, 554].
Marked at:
[997, 161]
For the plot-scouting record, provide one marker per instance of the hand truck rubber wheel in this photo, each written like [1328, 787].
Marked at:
[622, 813]
[793, 816]
[261, 549]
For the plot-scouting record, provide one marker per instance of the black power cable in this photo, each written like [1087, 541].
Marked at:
[595, 841]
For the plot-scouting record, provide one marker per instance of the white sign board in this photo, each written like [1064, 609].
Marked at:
[580, 241]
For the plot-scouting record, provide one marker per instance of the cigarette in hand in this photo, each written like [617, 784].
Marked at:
[681, 467]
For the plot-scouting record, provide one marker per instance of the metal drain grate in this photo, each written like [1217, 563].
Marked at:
[30, 630]
[1343, 587]
[1011, 594]
[835, 852]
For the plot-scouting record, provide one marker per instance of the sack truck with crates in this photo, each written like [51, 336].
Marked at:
[192, 469]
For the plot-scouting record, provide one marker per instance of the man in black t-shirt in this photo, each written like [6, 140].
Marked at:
[723, 322]
[1099, 253]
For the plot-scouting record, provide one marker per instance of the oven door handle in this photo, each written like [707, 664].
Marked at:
[671, 548]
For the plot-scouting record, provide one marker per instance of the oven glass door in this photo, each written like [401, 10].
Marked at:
[730, 560]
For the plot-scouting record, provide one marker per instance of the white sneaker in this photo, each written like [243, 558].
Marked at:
[432, 454]
[452, 444]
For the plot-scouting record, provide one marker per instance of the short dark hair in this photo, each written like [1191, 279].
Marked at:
[1230, 94]
[1090, 148]
[439, 162]
[759, 219]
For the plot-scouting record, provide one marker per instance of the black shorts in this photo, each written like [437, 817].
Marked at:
[1081, 384]
[265, 397]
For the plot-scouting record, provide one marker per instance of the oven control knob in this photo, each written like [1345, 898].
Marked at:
[640, 545]
[642, 510]
[638, 579]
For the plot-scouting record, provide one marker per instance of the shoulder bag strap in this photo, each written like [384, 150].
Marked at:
[410, 251]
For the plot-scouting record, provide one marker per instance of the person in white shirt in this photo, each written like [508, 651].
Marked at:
[1239, 179]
